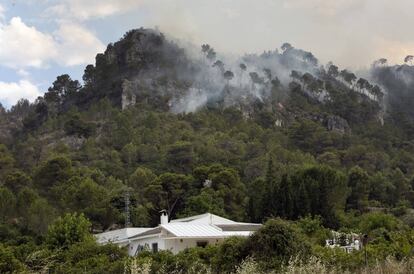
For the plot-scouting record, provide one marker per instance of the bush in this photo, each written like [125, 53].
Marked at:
[92, 258]
[8, 262]
[276, 242]
[66, 231]
[229, 254]
[76, 126]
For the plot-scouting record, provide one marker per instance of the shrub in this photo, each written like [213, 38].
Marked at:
[70, 229]
[276, 242]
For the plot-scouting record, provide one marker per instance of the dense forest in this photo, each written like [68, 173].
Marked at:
[302, 147]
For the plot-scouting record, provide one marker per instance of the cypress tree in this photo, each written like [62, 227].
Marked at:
[284, 197]
[269, 202]
[302, 201]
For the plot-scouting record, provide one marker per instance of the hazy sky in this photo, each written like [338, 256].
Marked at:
[40, 39]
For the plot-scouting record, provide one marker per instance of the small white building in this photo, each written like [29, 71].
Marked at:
[179, 234]
[348, 242]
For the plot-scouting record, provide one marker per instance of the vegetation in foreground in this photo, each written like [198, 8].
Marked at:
[280, 246]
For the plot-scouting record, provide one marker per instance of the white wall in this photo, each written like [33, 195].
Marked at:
[147, 242]
[174, 245]
[177, 245]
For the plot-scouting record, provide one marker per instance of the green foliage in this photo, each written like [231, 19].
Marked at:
[62, 86]
[75, 125]
[230, 253]
[358, 182]
[276, 242]
[6, 159]
[180, 155]
[68, 230]
[259, 201]
[53, 172]
[140, 216]
[313, 228]
[372, 222]
[225, 186]
[8, 262]
[168, 191]
[141, 178]
[84, 195]
[325, 188]
[39, 215]
[315, 190]
[170, 162]
[88, 256]
[7, 204]
[17, 180]
[207, 201]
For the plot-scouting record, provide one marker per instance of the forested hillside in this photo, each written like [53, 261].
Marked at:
[275, 135]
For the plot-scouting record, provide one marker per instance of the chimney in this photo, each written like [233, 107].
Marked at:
[164, 217]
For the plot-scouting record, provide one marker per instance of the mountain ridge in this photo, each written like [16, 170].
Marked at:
[145, 66]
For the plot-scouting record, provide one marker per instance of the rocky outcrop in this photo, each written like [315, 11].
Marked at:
[73, 142]
[330, 122]
[128, 95]
[336, 123]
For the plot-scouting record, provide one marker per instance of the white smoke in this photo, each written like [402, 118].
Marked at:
[210, 87]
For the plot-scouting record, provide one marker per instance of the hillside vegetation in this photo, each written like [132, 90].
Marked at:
[283, 140]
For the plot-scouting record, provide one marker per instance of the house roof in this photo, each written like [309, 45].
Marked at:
[237, 233]
[149, 232]
[189, 230]
[239, 227]
[200, 226]
[206, 218]
[185, 230]
[119, 235]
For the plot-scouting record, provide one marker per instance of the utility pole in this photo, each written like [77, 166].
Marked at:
[365, 240]
[127, 212]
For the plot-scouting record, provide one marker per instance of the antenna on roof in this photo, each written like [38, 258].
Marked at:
[127, 212]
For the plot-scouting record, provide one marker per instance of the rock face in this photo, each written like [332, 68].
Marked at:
[73, 142]
[336, 123]
[133, 66]
[129, 97]
[330, 122]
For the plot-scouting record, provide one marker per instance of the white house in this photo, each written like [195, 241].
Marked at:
[177, 235]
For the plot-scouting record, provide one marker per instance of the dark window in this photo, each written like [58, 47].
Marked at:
[140, 248]
[155, 247]
[202, 244]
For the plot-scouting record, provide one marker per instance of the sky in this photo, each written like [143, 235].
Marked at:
[41, 39]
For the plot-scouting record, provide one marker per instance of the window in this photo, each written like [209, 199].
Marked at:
[202, 244]
[155, 247]
[140, 248]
